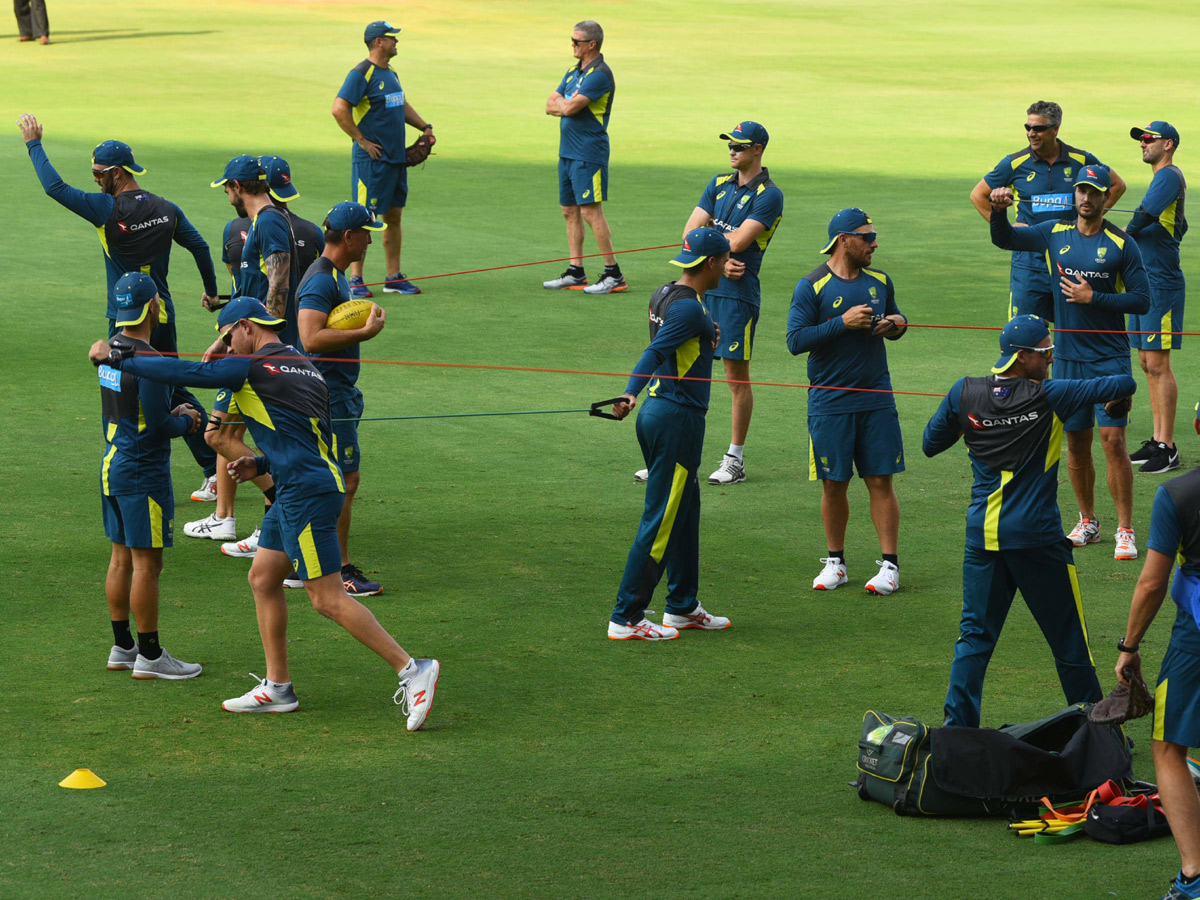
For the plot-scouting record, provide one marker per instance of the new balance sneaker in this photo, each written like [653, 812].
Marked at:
[166, 666]
[697, 618]
[293, 582]
[1183, 890]
[358, 290]
[887, 581]
[566, 281]
[1087, 531]
[731, 471]
[641, 476]
[644, 630]
[243, 549]
[833, 576]
[261, 699]
[357, 584]
[119, 658]
[608, 284]
[212, 527]
[1161, 459]
[1126, 544]
[415, 694]
[1142, 453]
[207, 492]
[398, 284]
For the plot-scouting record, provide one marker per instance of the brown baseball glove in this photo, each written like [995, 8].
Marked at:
[419, 150]
[1131, 701]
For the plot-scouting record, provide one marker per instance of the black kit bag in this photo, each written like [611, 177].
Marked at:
[1127, 824]
[982, 771]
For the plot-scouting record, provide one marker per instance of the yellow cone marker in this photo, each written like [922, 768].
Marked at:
[82, 779]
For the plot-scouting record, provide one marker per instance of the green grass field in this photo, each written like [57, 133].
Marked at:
[556, 763]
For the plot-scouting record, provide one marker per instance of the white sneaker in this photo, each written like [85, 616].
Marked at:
[641, 476]
[607, 285]
[566, 281]
[119, 658]
[293, 582]
[207, 492]
[1086, 531]
[415, 695]
[887, 581]
[731, 471]
[262, 699]
[644, 630]
[1126, 544]
[245, 548]
[697, 618]
[832, 577]
[166, 666]
[212, 527]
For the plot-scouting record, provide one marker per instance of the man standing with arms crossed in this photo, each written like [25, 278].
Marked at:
[1011, 422]
[1041, 177]
[286, 406]
[583, 102]
[348, 229]
[135, 486]
[372, 109]
[840, 314]
[1174, 533]
[1158, 225]
[136, 231]
[1099, 278]
[747, 207]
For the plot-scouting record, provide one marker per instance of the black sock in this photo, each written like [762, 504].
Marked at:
[893, 558]
[269, 493]
[575, 271]
[614, 270]
[121, 635]
[839, 555]
[148, 644]
[1183, 880]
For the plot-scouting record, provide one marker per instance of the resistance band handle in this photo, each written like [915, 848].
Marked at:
[598, 408]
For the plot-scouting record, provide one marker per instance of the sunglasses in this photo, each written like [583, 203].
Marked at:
[102, 171]
[1044, 352]
[868, 236]
[577, 42]
[1147, 139]
[739, 148]
[1038, 129]
[227, 336]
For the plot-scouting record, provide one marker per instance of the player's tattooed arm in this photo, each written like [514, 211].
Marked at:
[279, 272]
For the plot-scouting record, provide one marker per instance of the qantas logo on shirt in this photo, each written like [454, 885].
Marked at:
[1083, 273]
[980, 424]
[655, 319]
[243, 234]
[292, 370]
[141, 226]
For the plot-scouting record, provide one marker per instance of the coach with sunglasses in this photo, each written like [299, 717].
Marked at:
[1041, 177]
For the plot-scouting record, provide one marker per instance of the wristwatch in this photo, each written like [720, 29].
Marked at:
[1121, 648]
[428, 127]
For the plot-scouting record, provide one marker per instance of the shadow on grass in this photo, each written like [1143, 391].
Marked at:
[111, 34]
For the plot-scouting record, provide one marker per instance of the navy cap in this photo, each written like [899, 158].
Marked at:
[242, 168]
[699, 245]
[1095, 175]
[844, 222]
[380, 29]
[1157, 129]
[247, 308]
[747, 133]
[116, 153]
[348, 214]
[279, 178]
[1021, 333]
[134, 291]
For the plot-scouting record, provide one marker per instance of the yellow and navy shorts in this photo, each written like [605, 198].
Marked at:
[1029, 292]
[737, 320]
[141, 521]
[226, 404]
[1164, 320]
[345, 434]
[581, 183]
[1083, 419]
[377, 185]
[1177, 698]
[305, 528]
[869, 440]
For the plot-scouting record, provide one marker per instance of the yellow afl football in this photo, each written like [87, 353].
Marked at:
[351, 314]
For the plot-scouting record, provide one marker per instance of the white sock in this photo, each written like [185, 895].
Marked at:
[409, 671]
[279, 687]
[735, 450]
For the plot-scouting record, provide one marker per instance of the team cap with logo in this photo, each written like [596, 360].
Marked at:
[242, 168]
[1156, 129]
[699, 245]
[380, 29]
[844, 222]
[1021, 333]
[747, 133]
[348, 214]
[279, 178]
[116, 153]
[134, 291]
[247, 308]
[1095, 175]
